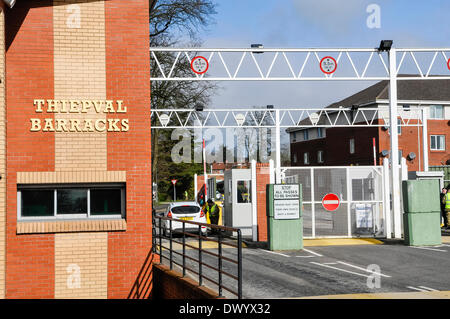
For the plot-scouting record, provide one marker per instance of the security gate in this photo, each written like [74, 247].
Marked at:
[361, 211]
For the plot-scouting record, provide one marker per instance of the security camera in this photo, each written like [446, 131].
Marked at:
[10, 3]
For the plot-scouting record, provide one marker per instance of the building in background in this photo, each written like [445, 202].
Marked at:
[354, 145]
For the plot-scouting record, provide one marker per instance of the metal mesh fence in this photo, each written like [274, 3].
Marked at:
[360, 192]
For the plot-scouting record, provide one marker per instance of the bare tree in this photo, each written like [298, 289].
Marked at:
[176, 23]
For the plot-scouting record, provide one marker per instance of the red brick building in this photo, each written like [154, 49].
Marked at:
[75, 187]
[354, 146]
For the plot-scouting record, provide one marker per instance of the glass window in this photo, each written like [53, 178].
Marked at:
[305, 135]
[295, 158]
[436, 112]
[320, 156]
[437, 142]
[352, 146]
[305, 158]
[320, 132]
[60, 202]
[106, 201]
[185, 209]
[36, 202]
[243, 192]
[71, 201]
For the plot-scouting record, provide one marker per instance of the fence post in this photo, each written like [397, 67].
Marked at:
[170, 243]
[220, 263]
[200, 280]
[184, 249]
[239, 264]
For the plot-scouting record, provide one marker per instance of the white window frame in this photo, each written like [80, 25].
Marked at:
[295, 157]
[432, 114]
[55, 216]
[443, 142]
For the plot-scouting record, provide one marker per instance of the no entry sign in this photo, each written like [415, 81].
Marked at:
[328, 65]
[330, 202]
[448, 64]
[199, 65]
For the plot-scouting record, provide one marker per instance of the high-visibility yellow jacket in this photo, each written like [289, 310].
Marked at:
[446, 201]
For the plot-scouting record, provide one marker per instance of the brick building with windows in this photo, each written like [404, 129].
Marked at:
[354, 145]
[75, 187]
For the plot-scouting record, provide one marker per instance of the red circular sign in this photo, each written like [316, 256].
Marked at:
[330, 202]
[199, 65]
[448, 64]
[328, 65]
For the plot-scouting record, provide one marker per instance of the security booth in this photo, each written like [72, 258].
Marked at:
[238, 200]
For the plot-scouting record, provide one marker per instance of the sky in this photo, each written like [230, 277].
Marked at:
[317, 24]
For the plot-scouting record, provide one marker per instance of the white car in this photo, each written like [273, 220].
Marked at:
[189, 211]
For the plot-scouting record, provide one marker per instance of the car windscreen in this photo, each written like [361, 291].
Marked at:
[185, 209]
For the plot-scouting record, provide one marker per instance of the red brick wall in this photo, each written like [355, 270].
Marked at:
[170, 284]
[128, 79]
[262, 179]
[29, 65]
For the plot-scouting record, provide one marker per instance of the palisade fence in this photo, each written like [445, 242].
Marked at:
[446, 170]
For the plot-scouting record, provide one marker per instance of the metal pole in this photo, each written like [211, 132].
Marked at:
[254, 203]
[278, 146]
[425, 139]
[200, 279]
[395, 173]
[239, 252]
[205, 176]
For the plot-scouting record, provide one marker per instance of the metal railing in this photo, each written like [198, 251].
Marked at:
[179, 257]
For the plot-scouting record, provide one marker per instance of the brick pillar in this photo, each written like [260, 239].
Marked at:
[262, 179]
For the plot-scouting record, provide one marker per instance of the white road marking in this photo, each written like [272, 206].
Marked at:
[428, 248]
[414, 288]
[273, 252]
[430, 289]
[311, 252]
[361, 268]
[343, 270]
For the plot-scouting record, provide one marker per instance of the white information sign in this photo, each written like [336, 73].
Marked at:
[286, 204]
[286, 209]
[286, 192]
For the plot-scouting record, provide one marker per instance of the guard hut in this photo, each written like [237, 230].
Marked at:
[238, 199]
[75, 187]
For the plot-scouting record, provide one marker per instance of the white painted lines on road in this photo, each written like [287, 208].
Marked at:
[421, 288]
[328, 265]
[361, 268]
[311, 252]
[340, 269]
[273, 252]
[429, 248]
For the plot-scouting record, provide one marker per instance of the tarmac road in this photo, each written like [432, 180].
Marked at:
[333, 270]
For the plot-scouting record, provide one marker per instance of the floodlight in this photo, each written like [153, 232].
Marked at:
[385, 45]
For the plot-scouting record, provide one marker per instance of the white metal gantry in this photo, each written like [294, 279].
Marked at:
[364, 64]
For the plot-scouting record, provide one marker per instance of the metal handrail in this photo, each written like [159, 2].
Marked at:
[201, 264]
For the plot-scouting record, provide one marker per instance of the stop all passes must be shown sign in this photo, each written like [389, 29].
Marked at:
[331, 202]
